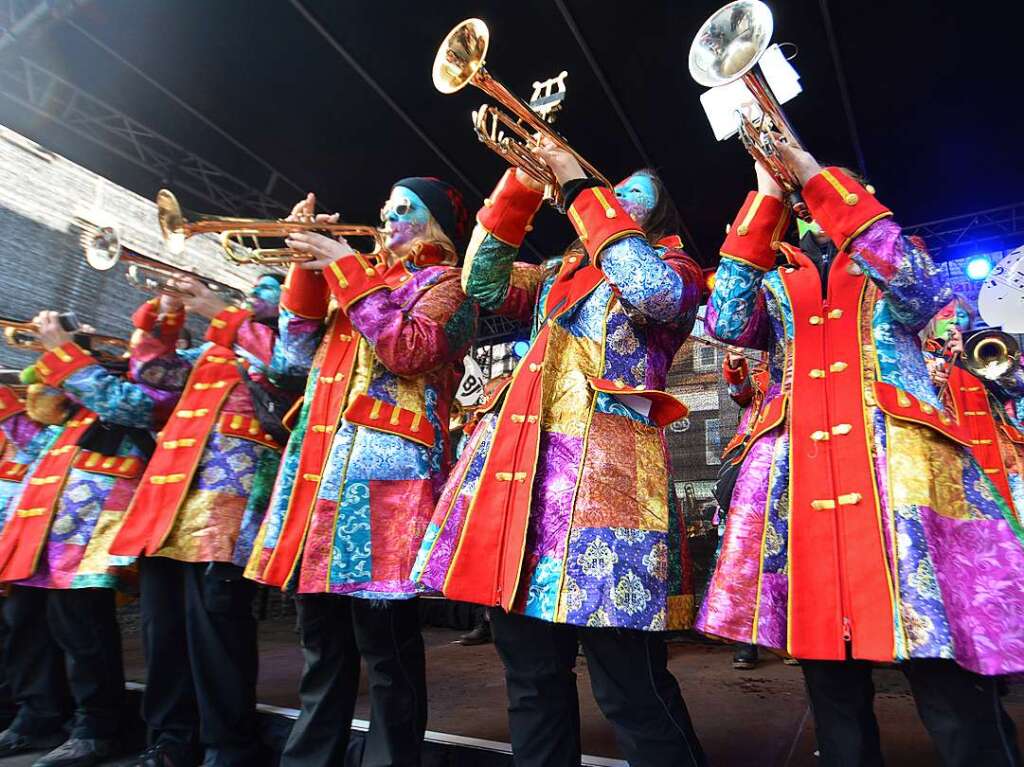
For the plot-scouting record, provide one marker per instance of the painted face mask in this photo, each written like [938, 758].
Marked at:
[264, 297]
[637, 196]
[952, 315]
[405, 217]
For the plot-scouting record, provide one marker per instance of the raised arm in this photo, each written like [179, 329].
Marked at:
[736, 311]
[301, 323]
[491, 276]
[111, 397]
[859, 224]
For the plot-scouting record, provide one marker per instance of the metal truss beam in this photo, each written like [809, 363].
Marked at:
[986, 226]
[47, 94]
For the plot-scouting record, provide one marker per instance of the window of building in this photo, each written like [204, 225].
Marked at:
[705, 357]
[712, 442]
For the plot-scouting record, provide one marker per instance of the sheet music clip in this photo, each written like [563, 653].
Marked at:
[548, 96]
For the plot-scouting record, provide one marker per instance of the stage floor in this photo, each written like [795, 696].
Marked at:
[757, 717]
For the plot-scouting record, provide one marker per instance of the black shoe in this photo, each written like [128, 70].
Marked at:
[77, 752]
[745, 657]
[164, 754]
[12, 742]
[480, 635]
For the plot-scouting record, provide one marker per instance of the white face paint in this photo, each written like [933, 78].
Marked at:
[405, 218]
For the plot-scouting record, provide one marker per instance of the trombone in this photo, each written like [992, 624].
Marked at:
[103, 251]
[24, 336]
[460, 62]
[240, 237]
[727, 48]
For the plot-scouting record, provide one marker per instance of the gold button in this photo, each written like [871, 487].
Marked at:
[403, 278]
[815, 319]
[835, 314]
[573, 259]
[609, 212]
[837, 367]
[534, 367]
[926, 408]
[619, 384]
[823, 504]
[851, 199]
[529, 227]
[487, 202]
[742, 229]
[842, 429]
[816, 373]
[819, 436]
[369, 271]
[850, 499]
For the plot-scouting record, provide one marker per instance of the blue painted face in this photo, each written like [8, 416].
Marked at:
[405, 217]
[268, 290]
[637, 196]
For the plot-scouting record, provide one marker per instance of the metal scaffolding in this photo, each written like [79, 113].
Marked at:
[993, 226]
[51, 96]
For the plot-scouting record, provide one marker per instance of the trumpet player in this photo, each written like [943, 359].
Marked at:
[560, 514]
[988, 408]
[861, 529]
[192, 522]
[82, 457]
[382, 342]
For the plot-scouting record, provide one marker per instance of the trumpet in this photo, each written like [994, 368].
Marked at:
[990, 354]
[24, 336]
[727, 48]
[103, 251]
[460, 62]
[240, 237]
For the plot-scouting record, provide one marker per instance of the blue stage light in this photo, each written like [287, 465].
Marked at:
[520, 348]
[978, 268]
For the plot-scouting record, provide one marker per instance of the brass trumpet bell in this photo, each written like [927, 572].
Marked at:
[460, 62]
[990, 354]
[461, 56]
[730, 43]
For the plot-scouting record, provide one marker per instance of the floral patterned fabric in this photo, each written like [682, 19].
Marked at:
[955, 566]
[604, 543]
[378, 489]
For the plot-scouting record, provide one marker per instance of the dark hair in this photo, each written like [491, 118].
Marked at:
[664, 219]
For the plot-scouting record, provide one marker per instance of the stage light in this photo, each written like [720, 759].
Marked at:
[520, 348]
[978, 268]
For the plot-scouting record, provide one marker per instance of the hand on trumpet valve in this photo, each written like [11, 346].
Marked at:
[323, 250]
[954, 344]
[563, 164]
[197, 298]
[50, 332]
[303, 210]
[799, 160]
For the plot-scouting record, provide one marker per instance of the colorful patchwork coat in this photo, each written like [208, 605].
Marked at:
[561, 507]
[63, 496]
[370, 449]
[206, 488]
[988, 411]
[860, 519]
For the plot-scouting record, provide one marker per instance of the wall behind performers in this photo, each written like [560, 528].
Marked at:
[41, 193]
[44, 269]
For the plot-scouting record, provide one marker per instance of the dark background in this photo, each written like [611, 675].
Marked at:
[933, 89]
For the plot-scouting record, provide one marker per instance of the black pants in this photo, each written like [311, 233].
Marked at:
[961, 711]
[53, 632]
[336, 631]
[199, 636]
[629, 677]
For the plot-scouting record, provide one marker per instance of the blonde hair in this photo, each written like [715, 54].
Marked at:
[435, 236]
